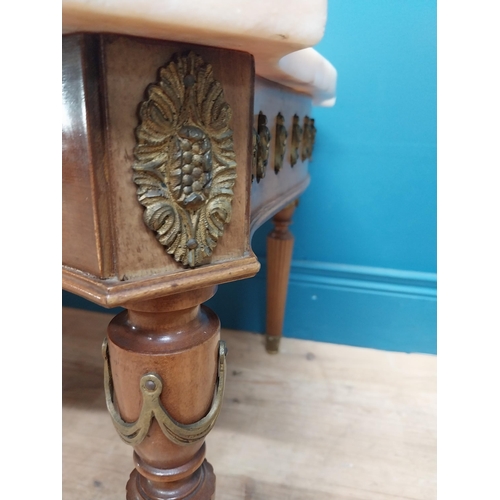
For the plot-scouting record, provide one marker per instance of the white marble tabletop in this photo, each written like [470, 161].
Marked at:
[279, 33]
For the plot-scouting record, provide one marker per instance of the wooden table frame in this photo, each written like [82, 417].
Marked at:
[164, 361]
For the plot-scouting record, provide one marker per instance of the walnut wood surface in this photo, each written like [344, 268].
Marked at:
[279, 259]
[113, 292]
[109, 255]
[85, 211]
[177, 340]
[130, 66]
[105, 236]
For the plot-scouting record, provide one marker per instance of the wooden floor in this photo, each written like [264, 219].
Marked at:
[315, 422]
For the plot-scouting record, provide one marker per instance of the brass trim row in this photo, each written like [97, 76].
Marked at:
[301, 143]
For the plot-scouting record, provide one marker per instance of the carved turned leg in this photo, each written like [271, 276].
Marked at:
[164, 379]
[279, 258]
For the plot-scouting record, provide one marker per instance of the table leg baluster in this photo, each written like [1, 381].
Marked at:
[279, 259]
[164, 380]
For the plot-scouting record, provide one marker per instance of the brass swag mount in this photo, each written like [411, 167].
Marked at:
[151, 386]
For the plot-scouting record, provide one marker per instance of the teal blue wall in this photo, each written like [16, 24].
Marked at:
[365, 230]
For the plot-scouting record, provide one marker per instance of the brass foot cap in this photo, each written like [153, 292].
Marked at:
[273, 344]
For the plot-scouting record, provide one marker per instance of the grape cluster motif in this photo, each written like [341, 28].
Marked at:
[185, 164]
[192, 179]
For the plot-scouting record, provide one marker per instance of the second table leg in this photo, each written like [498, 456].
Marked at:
[279, 259]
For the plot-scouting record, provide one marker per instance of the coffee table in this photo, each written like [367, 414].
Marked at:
[185, 127]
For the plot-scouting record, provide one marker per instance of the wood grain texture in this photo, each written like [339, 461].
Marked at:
[176, 341]
[321, 421]
[114, 292]
[106, 242]
[85, 210]
[279, 259]
[131, 65]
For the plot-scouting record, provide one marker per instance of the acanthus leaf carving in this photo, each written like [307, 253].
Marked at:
[263, 143]
[295, 141]
[280, 143]
[308, 138]
[185, 167]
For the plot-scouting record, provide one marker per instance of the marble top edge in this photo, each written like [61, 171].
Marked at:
[278, 34]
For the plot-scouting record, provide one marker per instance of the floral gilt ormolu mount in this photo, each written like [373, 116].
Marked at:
[185, 166]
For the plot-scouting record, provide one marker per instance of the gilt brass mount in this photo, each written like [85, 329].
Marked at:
[295, 142]
[273, 343]
[185, 167]
[261, 145]
[279, 143]
[308, 138]
[151, 386]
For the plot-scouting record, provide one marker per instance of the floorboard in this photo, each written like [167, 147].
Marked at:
[317, 421]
